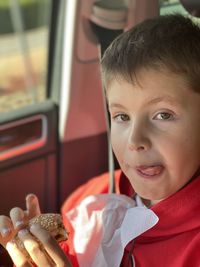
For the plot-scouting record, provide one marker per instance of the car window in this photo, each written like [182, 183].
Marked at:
[174, 6]
[24, 30]
[171, 6]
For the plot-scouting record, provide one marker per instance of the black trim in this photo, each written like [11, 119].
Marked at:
[54, 21]
[105, 36]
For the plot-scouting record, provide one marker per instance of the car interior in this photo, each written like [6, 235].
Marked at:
[54, 124]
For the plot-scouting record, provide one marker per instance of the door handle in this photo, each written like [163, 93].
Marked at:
[22, 136]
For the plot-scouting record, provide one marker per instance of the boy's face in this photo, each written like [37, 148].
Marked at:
[155, 132]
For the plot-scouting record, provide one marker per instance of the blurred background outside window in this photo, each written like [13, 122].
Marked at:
[24, 31]
[171, 6]
[174, 6]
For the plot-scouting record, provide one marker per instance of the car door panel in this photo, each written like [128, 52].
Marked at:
[28, 156]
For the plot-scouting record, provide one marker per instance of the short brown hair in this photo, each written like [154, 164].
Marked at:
[170, 41]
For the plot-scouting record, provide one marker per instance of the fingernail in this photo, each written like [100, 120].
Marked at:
[23, 232]
[31, 197]
[19, 223]
[10, 245]
[5, 231]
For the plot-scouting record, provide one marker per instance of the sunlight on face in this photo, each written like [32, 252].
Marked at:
[155, 126]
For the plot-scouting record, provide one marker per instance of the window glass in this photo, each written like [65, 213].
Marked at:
[171, 6]
[24, 30]
[174, 6]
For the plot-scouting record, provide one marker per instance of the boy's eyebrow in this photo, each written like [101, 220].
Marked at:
[156, 100]
[168, 99]
[115, 105]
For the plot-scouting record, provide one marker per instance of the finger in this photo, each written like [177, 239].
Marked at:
[19, 259]
[6, 229]
[17, 217]
[32, 206]
[33, 248]
[51, 246]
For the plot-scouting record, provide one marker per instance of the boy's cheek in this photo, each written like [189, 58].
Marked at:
[117, 145]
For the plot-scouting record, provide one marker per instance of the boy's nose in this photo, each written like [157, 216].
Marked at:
[138, 138]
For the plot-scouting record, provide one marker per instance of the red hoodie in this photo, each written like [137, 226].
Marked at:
[173, 242]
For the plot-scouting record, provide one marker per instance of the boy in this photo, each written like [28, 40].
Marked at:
[151, 79]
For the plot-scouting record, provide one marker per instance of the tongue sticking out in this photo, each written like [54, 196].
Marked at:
[150, 170]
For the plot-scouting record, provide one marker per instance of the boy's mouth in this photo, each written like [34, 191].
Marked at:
[149, 171]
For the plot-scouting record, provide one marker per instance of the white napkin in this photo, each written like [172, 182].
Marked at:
[104, 224]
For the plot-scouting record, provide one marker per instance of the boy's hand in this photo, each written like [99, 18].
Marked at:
[10, 226]
[55, 256]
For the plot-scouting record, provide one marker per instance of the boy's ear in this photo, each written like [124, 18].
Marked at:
[192, 6]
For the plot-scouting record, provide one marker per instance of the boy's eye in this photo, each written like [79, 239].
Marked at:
[163, 116]
[121, 117]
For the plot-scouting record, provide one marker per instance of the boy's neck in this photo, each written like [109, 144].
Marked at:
[149, 203]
